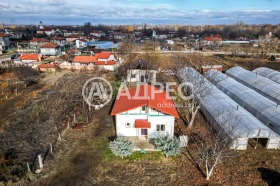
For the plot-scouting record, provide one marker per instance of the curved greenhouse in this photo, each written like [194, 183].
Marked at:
[224, 113]
[268, 73]
[262, 85]
[263, 108]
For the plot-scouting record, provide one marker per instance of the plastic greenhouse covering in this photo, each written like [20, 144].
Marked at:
[262, 85]
[224, 113]
[263, 108]
[268, 73]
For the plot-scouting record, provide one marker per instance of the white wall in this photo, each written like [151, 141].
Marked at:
[138, 73]
[154, 117]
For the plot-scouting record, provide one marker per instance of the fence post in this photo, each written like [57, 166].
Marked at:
[28, 168]
[74, 118]
[51, 148]
[59, 137]
[40, 161]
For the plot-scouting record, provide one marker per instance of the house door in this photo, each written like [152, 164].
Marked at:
[142, 78]
[144, 132]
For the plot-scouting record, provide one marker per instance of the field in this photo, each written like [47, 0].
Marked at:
[82, 156]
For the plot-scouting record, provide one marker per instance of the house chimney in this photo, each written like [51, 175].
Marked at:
[237, 108]
[256, 73]
[39, 57]
[277, 105]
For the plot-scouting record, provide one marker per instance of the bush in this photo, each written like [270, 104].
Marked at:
[170, 146]
[122, 147]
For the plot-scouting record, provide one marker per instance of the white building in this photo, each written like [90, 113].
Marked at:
[149, 113]
[5, 41]
[1, 49]
[81, 43]
[50, 49]
[138, 75]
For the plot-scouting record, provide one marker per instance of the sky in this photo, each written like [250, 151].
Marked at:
[187, 12]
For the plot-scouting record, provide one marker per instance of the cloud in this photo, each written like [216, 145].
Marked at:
[65, 11]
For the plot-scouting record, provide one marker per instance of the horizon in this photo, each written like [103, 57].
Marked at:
[128, 12]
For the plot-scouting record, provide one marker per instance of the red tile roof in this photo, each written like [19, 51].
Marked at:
[159, 100]
[213, 38]
[104, 55]
[29, 57]
[85, 59]
[39, 40]
[47, 66]
[4, 35]
[142, 123]
[50, 45]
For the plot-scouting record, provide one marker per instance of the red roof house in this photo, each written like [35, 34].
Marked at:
[144, 111]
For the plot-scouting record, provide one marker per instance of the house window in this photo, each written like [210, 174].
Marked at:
[160, 128]
[133, 75]
[143, 108]
[127, 125]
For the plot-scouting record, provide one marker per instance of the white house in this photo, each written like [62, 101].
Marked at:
[28, 59]
[144, 111]
[81, 43]
[97, 33]
[50, 49]
[5, 41]
[138, 75]
[101, 61]
[1, 49]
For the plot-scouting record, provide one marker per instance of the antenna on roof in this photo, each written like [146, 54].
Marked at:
[237, 107]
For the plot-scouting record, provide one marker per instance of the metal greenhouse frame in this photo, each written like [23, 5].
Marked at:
[262, 85]
[263, 108]
[224, 113]
[268, 73]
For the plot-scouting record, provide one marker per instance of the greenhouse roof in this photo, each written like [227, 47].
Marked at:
[268, 73]
[220, 108]
[263, 108]
[262, 85]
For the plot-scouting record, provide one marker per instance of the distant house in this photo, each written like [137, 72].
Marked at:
[46, 67]
[210, 67]
[170, 42]
[5, 41]
[146, 117]
[138, 71]
[28, 59]
[50, 49]
[75, 52]
[213, 39]
[81, 43]
[97, 33]
[36, 43]
[47, 31]
[59, 40]
[71, 38]
[102, 61]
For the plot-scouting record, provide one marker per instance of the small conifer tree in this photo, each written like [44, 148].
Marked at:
[170, 146]
[122, 147]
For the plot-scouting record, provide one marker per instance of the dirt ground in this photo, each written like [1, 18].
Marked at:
[80, 160]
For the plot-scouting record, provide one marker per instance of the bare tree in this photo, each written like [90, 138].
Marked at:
[209, 147]
[26, 74]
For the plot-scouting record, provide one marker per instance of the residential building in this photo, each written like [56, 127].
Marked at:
[144, 111]
[5, 41]
[1, 49]
[28, 59]
[46, 67]
[59, 40]
[47, 31]
[97, 33]
[213, 39]
[81, 43]
[50, 49]
[36, 43]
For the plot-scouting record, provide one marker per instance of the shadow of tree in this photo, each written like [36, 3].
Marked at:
[270, 176]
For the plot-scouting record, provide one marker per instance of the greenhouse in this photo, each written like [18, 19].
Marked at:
[227, 116]
[268, 73]
[262, 85]
[263, 108]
